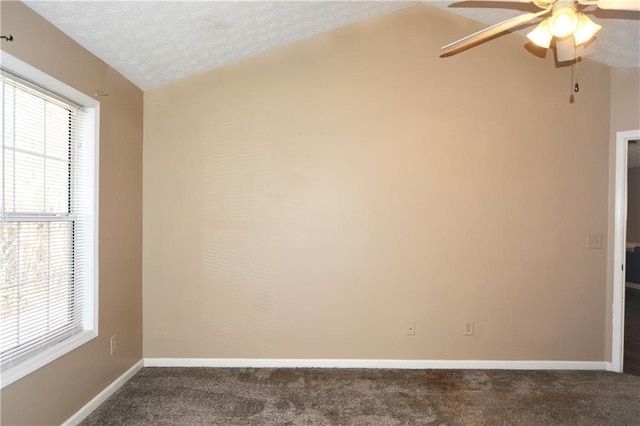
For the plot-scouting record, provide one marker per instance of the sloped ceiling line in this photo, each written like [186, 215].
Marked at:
[153, 43]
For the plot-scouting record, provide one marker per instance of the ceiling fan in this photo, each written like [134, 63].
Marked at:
[567, 23]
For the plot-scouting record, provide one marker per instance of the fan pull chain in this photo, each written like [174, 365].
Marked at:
[574, 78]
[576, 69]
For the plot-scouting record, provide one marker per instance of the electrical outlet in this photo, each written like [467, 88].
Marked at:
[114, 344]
[468, 328]
[594, 241]
[411, 329]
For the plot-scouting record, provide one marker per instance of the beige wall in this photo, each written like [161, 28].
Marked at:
[633, 205]
[625, 115]
[55, 392]
[625, 99]
[312, 201]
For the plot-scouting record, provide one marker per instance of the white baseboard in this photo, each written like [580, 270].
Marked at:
[82, 413]
[373, 363]
[609, 367]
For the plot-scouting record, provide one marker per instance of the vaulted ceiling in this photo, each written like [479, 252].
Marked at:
[157, 42]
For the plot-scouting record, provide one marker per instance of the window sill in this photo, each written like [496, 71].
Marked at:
[28, 366]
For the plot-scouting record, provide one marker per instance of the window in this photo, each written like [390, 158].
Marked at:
[48, 279]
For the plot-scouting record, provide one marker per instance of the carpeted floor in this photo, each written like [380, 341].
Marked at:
[244, 396]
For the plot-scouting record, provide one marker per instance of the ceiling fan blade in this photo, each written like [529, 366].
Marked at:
[522, 5]
[619, 4]
[491, 31]
[488, 1]
[480, 3]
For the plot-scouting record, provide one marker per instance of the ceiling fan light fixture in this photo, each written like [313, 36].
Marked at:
[563, 22]
[586, 30]
[541, 35]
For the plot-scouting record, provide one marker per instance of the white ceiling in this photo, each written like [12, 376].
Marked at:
[157, 42]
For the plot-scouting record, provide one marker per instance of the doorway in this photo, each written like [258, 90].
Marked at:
[631, 362]
[620, 246]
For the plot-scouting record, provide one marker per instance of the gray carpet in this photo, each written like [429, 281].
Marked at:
[244, 396]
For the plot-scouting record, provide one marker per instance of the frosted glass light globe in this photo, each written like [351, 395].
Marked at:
[563, 22]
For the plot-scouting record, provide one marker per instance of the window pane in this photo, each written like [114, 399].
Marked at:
[29, 123]
[8, 317]
[60, 248]
[36, 147]
[8, 255]
[57, 186]
[57, 134]
[9, 178]
[33, 244]
[36, 293]
[26, 181]
[60, 288]
[32, 309]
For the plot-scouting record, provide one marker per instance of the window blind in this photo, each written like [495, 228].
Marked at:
[45, 204]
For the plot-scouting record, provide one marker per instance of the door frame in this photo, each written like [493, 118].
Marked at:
[619, 246]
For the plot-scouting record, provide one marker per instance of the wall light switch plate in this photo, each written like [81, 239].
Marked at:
[468, 328]
[594, 241]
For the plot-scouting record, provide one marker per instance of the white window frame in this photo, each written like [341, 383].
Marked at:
[91, 108]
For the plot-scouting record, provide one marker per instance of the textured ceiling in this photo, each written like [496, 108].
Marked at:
[157, 42]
